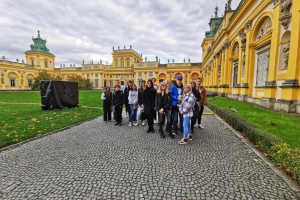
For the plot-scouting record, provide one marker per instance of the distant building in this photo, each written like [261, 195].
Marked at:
[126, 65]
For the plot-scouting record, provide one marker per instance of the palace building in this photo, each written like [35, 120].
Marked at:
[252, 54]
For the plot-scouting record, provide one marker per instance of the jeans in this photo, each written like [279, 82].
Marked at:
[186, 126]
[138, 114]
[132, 113]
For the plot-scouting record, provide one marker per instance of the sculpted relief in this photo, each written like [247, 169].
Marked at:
[264, 28]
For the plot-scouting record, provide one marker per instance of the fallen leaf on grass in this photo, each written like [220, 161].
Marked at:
[255, 160]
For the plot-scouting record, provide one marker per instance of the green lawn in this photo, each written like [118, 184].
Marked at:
[21, 116]
[286, 126]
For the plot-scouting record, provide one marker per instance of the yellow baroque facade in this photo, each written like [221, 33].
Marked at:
[252, 54]
[126, 65]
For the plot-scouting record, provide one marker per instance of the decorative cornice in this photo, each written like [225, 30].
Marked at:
[241, 33]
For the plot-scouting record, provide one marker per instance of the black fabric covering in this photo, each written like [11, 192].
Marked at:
[58, 94]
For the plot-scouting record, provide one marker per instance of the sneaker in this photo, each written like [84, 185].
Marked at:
[136, 124]
[143, 123]
[130, 124]
[154, 121]
[174, 133]
[190, 137]
[200, 126]
[182, 141]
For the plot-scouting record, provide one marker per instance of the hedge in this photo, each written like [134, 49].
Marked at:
[278, 151]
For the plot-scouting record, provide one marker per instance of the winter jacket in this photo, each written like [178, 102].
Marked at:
[118, 98]
[133, 97]
[149, 101]
[140, 98]
[105, 97]
[202, 91]
[126, 93]
[158, 101]
[197, 95]
[174, 96]
[187, 104]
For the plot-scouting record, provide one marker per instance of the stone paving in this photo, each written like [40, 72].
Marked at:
[97, 160]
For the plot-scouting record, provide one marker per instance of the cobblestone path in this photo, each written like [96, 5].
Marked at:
[98, 160]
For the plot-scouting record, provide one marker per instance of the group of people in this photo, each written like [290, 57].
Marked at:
[170, 102]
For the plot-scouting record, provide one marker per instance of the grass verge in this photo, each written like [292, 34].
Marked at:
[21, 116]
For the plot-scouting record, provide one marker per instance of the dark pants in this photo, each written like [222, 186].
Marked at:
[149, 121]
[118, 110]
[107, 110]
[200, 114]
[175, 114]
[161, 118]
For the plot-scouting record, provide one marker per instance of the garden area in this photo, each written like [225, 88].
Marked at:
[22, 117]
[276, 134]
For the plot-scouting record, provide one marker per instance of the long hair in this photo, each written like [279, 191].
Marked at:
[107, 93]
[194, 83]
[159, 89]
[152, 87]
[141, 88]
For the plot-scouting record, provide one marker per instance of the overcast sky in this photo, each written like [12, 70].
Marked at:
[87, 30]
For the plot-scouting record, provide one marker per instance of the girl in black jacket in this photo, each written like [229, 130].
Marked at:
[149, 105]
[196, 107]
[162, 105]
[106, 96]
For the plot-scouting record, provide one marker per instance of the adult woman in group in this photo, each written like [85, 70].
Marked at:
[149, 105]
[133, 103]
[106, 96]
[162, 105]
[186, 109]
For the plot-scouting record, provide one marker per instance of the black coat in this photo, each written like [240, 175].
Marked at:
[140, 98]
[118, 98]
[126, 93]
[149, 101]
[167, 100]
[108, 98]
[197, 95]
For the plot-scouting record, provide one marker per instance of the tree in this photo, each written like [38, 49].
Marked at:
[43, 75]
[83, 84]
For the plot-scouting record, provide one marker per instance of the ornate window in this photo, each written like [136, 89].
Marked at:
[262, 68]
[116, 64]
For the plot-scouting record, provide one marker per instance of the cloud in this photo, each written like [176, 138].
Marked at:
[87, 30]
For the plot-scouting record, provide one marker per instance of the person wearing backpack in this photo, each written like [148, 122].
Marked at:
[186, 110]
[118, 101]
[106, 96]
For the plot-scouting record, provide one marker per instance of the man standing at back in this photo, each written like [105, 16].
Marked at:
[180, 89]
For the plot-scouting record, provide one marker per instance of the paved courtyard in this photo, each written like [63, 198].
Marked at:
[97, 160]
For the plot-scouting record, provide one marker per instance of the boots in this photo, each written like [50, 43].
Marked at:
[171, 135]
[152, 129]
[149, 129]
[162, 135]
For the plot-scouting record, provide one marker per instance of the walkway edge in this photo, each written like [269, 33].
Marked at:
[293, 185]
[13, 146]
